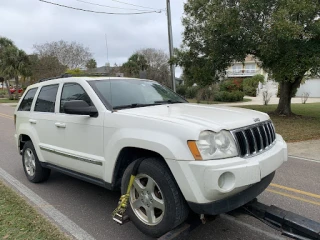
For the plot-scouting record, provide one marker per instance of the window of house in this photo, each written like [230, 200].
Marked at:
[26, 103]
[73, 91]
[46, 99]
[237, 68]
[250, 67]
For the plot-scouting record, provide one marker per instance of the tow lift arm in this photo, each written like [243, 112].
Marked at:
[288, 223]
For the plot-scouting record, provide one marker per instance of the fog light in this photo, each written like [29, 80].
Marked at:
[226, 181]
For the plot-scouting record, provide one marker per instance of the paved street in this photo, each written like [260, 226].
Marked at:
[295, 188]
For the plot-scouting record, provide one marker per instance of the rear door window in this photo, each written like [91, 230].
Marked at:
[46, 99]
[26, 103]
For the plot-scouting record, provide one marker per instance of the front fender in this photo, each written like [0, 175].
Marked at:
[167, 145]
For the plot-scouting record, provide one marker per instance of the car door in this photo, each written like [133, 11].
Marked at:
[79, 137]
[42, 119]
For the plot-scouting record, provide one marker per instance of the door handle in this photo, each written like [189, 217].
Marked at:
[60, 125]
[32, 121]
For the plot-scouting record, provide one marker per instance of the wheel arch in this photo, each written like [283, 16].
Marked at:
[126, 156]
[25, 135]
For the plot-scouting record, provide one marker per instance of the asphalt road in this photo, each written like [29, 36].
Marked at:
[295, 188]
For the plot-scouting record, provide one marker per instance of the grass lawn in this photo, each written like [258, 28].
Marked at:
[18, 220]
[215, 102]
[298, 128]
[6, 100]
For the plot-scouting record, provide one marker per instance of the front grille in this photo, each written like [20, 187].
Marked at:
[254, 139]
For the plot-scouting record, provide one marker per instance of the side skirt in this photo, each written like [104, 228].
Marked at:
[80, 176]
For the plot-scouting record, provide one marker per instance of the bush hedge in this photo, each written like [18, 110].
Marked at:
[231, 85]
[181, 90]
[224, 96]
[205, 94]
[191, 92]
[251, 84]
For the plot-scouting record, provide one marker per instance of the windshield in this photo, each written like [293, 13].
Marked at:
[123, 93]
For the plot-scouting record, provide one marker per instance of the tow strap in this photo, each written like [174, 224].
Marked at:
[118, 214]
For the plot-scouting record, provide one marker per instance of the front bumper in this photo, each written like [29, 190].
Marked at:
[234, 201]
[205, 182]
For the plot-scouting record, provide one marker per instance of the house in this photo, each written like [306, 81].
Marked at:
[311, 86]
[248, 68]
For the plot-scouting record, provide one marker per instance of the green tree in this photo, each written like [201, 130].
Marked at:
[4, 43]
[154, 62]
[91, 64]
[134, 65]
[283, 34]
[14, 64]
[45, 67]
[75, 72]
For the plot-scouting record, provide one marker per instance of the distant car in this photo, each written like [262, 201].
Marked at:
[13, 90]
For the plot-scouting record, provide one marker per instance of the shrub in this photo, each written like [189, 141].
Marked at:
[230, 85]
[250, 85]
[182, 90]
[224, 96]
[250, 91]
[191, 92]
[266, 96]
[205, 94]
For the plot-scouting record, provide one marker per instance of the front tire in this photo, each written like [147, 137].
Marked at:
[31, 164]
[156, 203]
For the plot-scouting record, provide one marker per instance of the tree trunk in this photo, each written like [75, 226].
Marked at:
[286, 91]
[8, 89]
[284, 106]
[17, 87]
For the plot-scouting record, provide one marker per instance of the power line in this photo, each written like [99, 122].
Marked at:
[101, 5]
[86, 10]
[135, 5]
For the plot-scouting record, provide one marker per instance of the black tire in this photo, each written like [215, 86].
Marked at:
[40, 174]
[176, 209]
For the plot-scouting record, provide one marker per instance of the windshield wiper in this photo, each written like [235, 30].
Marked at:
[168, 101]
[134, 105]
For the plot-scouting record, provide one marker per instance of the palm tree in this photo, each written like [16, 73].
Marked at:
[4, 43]
[14, 63]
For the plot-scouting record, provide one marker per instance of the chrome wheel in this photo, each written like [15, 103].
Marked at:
[146, 200]
[29, 162]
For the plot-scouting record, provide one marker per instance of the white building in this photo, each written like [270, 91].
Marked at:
[248, 68]
[311, 86]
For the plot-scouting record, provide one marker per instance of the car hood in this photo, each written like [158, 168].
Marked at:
[210, 117]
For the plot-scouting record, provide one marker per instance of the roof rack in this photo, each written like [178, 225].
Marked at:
[66, 75]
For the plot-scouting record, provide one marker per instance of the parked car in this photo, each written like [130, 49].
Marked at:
[13, 90]
[208, 159]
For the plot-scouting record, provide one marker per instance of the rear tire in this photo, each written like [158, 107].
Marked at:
[156, 202]
[31, 164]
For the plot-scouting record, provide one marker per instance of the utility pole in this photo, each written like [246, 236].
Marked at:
[172, 67]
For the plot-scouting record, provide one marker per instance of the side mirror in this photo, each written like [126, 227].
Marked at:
[80, 107]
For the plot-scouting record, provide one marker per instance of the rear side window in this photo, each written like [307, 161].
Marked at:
[73, 91]
[26, 103]
[46, 99]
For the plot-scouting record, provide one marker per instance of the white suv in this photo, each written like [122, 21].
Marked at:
[207, 158]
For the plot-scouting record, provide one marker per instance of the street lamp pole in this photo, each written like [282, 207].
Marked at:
[172, 67]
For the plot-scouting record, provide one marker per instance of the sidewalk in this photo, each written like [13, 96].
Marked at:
[307, 149]
[274, 100]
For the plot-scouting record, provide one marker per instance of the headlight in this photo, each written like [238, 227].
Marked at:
[216, 145]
